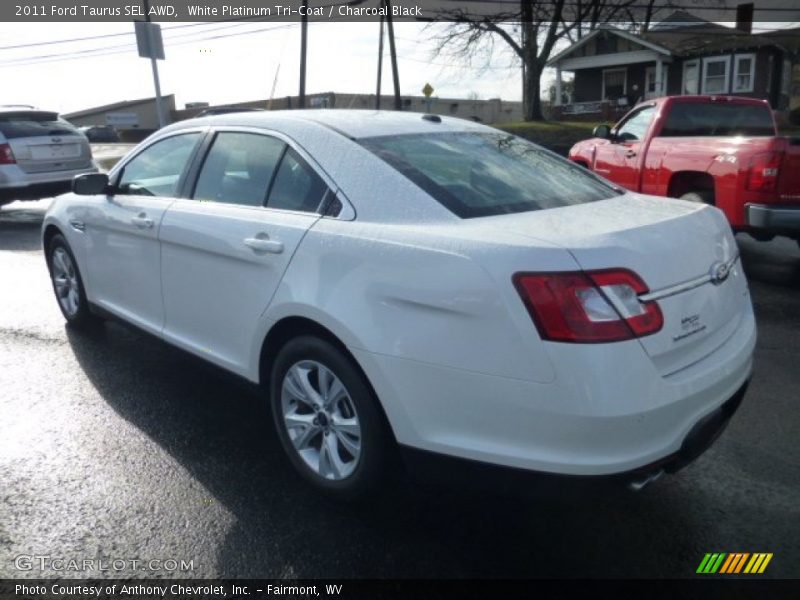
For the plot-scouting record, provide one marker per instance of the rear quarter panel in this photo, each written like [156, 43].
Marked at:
[423, 296]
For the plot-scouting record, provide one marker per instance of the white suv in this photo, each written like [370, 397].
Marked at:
[40, 153]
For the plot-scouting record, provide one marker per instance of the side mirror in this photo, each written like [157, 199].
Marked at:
[602, 131]
[90, 184]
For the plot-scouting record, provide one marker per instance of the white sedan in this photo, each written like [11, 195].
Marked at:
[399, 281]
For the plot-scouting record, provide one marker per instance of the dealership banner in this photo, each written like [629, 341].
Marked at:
[411, 589]
[367, 10]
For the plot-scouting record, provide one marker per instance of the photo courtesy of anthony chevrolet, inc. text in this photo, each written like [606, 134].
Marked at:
[399, 299]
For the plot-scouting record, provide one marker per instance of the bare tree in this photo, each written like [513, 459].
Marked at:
[531, 31]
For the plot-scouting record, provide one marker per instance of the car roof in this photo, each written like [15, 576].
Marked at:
[354, 124]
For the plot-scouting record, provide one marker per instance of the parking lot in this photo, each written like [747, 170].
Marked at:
[117, 446]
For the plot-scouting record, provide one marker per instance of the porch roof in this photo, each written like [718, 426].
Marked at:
[652, 49]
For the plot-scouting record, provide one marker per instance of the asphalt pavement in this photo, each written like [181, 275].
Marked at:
[115, 446]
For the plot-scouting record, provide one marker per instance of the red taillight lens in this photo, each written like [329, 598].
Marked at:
[763, 173]
[6, 155]
[590, 306]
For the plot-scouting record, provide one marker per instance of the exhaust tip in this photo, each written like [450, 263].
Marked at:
[637, 485]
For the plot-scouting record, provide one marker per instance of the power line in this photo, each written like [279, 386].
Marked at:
[122, 48]
[98, 37]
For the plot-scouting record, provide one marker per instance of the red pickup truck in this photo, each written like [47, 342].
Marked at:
[721, 150]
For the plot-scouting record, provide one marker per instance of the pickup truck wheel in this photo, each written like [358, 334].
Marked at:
[702, 197]
[328, 420]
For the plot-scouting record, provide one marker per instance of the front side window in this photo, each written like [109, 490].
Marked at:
[239, 168]
[635, 127]
[157, 170]
[715, 75]
[484, 174]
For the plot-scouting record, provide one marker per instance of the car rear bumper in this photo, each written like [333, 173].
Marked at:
[606, 413]
[438, 469]
[778, 219]
[15, 184]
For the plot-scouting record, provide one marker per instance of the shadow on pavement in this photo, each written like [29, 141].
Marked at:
[775, 263]
[218, 429]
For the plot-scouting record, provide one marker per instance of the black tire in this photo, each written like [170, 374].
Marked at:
[701, 197]
[376, 441]
[82, 316]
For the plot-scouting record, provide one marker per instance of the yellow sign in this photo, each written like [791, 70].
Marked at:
[427, 90]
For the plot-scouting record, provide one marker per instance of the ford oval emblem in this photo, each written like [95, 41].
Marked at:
[719, 272]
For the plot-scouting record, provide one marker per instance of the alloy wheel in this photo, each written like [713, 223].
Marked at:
[65, 282]
[321, 420]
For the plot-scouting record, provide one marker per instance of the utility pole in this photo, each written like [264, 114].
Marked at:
[303, 47]
[393, 55]
[154, 65]
[380, 65]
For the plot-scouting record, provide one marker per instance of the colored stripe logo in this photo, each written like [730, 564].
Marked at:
[734, 563]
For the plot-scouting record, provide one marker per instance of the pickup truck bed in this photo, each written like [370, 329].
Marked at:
[721, 150]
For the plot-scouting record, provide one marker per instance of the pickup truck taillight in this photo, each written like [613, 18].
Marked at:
[6, 155]
[763, 173]
[589, 306]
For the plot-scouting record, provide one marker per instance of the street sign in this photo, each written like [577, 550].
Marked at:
[149, 40]
[427, 90]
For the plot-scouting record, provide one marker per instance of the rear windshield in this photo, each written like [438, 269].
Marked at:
[712, 119]
[30, 124]
[483, 174]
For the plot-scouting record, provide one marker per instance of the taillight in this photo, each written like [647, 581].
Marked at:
[6, 155]
[763, 173]
[589, 306]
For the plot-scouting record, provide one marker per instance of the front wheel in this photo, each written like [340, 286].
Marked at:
[327, 419]
[68, 284]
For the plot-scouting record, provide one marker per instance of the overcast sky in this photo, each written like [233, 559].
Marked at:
[234, 62]
[342, 57]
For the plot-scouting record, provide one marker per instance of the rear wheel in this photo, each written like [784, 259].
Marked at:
[701, 197]
[327, 419]
[68, 284]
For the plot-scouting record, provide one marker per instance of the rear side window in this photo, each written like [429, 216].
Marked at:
[699, 119]
[296, 185]
[34, 123]
[483, 174]
[239, 168]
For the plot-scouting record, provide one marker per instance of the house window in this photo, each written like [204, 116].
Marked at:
[650, 82]
[715, 75]
[614, 83]
[691, 78]
[744, 68]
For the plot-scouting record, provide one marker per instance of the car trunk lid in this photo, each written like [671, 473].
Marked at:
[685, 253]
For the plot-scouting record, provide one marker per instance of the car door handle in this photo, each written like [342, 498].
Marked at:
[142, 221]
[630, 154]
[264, 244]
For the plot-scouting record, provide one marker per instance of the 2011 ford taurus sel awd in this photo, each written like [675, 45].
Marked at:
[421, 283]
